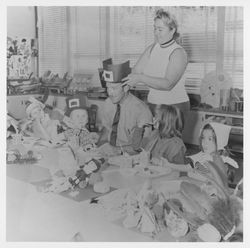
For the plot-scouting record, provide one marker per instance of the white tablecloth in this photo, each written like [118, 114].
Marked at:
[37, 216]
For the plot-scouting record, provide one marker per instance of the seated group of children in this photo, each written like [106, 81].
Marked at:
[164, 147]
[56, 127]
[164, 143]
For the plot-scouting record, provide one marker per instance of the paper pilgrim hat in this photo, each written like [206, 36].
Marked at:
[32, 104]
[114, 73]
[75, 102]
[100, 71]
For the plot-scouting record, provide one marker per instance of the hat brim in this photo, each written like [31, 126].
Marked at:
[69, 111]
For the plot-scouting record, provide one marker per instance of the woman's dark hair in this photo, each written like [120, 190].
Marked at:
[169, 20]
[171, 122]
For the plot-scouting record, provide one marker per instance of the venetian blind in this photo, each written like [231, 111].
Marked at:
[198, 29]
[87, 38]
[53, 39]
[233, 45]
[72, 39]
[130, 34]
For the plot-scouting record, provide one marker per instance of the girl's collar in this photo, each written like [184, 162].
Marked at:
[168, 43]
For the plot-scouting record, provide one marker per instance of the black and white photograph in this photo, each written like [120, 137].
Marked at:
[125, 122]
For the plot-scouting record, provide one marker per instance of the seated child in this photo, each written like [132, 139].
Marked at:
[213, 140]
[39, 124]
[77, 133]
[166, 141]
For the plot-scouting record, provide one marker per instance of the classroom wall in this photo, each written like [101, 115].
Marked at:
[21, 21]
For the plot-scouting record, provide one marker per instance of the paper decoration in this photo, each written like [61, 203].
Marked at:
[211, 86]
[19, 57]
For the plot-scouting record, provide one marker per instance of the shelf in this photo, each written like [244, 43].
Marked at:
[219, 112]
[18, 79]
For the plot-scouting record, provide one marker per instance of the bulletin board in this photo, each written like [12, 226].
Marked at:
[19, 53]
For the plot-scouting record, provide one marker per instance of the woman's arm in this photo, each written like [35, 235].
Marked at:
[175, 70]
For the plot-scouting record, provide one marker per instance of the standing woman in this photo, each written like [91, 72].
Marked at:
[161, 67]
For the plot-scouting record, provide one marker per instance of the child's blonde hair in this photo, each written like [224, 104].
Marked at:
[31, 105]
[170, 122]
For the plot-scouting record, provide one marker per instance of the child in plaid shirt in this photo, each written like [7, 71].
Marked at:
[77, 134]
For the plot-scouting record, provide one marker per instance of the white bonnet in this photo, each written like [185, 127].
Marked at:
[222, 132]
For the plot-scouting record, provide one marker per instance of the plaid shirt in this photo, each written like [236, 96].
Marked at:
[83, 136]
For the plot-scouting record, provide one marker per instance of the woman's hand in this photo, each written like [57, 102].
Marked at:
[132, 80]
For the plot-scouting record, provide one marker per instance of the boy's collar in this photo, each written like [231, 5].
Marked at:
[123, 100]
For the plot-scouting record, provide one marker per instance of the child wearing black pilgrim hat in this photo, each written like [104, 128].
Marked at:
[77, 134]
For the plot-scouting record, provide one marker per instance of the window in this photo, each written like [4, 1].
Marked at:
[131, 32]
[87, 38]
[67, 44]
[77, 39]
[198, 28]
[233, 45]
[53, 39]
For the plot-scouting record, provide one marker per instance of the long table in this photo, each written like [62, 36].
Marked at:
[37, 216]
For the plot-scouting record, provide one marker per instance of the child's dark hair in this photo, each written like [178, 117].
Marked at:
[224, 151]
[207, 127]
[171, 122]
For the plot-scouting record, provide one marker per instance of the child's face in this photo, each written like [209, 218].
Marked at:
[37, 113]
[79, 117]
[207, 141]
